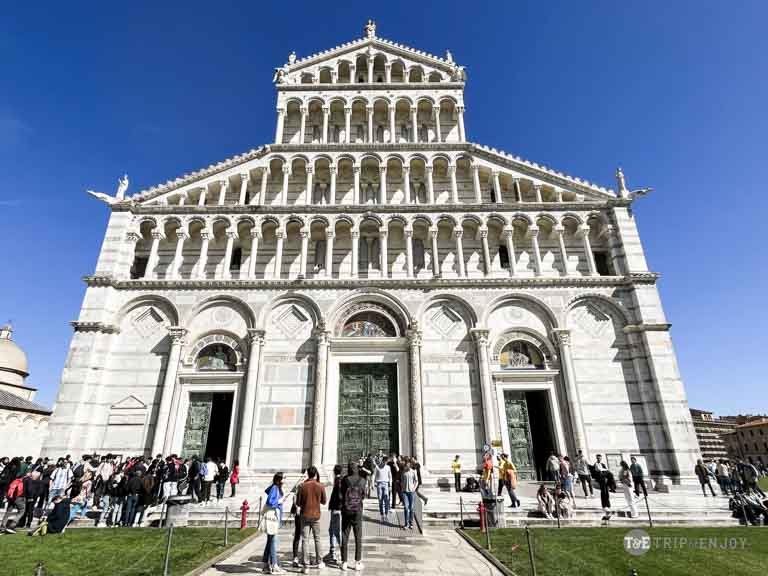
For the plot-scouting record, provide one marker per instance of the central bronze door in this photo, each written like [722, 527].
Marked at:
[519, 429]
[367, 410]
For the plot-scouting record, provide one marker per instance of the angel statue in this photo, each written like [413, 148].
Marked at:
[122, 186]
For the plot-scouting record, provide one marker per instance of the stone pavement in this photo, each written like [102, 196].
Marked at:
[387, 549]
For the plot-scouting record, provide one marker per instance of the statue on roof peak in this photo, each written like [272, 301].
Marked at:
[292, 57]
[449, 56]
[370, 29]
[122, 186]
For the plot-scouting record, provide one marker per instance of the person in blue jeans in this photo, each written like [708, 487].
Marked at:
[383, 478]
[273, 517]
[134, 489]
[410, 482]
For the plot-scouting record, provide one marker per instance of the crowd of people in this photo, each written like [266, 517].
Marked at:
[46, 495]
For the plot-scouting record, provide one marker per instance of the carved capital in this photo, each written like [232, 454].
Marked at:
[480, 336]
[177, 334]
[245, 177]
[255, 234]
[181, 235]
[562, 337]
[409, 232]
[286, 169]
[458, 233]
[332, 169]
[507, 231]
[414, 336]
[355, 234]
[231, 234]
[157, 235]
[483, 232]
[205, 235]
[383, 232]
[321, 335]
[329, 233]
[256, 336]
[310, 170]
[280, 233]
[132, 237]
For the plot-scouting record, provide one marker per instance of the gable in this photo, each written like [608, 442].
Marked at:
[129, 403]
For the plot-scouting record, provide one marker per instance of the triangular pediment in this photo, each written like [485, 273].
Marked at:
[129, 403]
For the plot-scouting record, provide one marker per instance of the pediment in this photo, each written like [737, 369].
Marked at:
[129, 403]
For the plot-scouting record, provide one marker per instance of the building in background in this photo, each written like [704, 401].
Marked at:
[709, 433]
[749, 441]
[372, 279]
[23, 423]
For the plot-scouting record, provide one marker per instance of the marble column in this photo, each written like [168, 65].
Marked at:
[454, 185]
[223, 185]
[325, 124]
[262, 198]
[392, 135]
[537, 191]
[255, 237]
[435, 252]
[243, 188]
[486, 251]
[308, 194]
[497, 187]
[388, 73]
[278, 254]
[383, 185]
[414, 125]
[286, 181]
[370, 70]
[371, 135]
[438, 131]
[407, 185]
[304, 234]
[348, 124]
[563, 339]
[303, 129]
[322, 340]
[560, 231]
[518, 191]
[203, 260]
[534, 233]
[154, 254]
[409, 251]
[417, 411]
[462, 134]
[161, 443]
[476, 184]
[357, 194]
[614, 249]
[178, 256]
[202, 198]
[256, 342]
[584, 232]
[329, 236]
[332, 193]
[123, 269]
[457, 234]
[383, 233]
[430, 186]
[355, 251]
[279, 129]
[486, 385]
[508, 236]
[225, 273]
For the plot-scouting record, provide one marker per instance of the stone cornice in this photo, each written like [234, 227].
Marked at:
[649, 327]
[378, 86]
[94, 327]
[390, 283]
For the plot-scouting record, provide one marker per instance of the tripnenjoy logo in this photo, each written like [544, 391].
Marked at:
[637, 542]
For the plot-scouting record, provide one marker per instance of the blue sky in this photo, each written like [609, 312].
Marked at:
[675, 92]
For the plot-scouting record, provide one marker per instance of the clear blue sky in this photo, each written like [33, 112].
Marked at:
[675, 92]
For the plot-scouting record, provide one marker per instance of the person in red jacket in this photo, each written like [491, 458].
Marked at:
[234, 477]
[16, 502]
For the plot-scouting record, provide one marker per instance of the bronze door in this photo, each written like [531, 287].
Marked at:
[367, 410]
[519, 428]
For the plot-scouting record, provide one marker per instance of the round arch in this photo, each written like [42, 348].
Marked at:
[538, 305]
[236, 303]
[164, 304]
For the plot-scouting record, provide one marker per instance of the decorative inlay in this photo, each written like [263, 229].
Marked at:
[147, 322]
[591, 320]
[290, 321]
[444, 320]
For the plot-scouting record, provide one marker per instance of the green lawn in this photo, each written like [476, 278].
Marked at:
[600, 551]
[127, 551]
[764, 483]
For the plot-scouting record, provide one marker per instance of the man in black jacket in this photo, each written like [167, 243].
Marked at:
[135, 490]
[34, 489]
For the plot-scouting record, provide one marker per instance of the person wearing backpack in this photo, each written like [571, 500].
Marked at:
[334, 507]
[352, 495]
[60, 480]
[16, 502]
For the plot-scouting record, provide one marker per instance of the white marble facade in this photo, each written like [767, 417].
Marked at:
[372, 199]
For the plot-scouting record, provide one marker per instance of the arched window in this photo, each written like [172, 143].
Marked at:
[423, 133]
[504, 257]
[368, 324]
[360, 133]
[521, 355]
[319, 255]
[336, 133]
[422, 195]
[315, 134]
[380, 134]
[404, 132]
[418, 254]
[216, 357]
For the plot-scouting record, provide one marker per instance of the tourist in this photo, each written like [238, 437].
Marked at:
[366, 471]
[553, 468]
[397, 490]
[207, 475]
[234, 478]
[636, 470]
[334, 525]
[310, 498]
[456, 468]
[352, 495]
[57, 519]
[112, 501]
[486, 479]
[170, 478]
[103, 472]
[272, 517]
[222, 475]
[602, 476]
[410, 482]
[750, 476]
[625, 478]
[383, 479]
[508, 477]
[582, 470]
[4, 478]
[60, 480]
[296, 513]
[34, 494]
[566, 476]
[16, 504]
[195, 482]
[736, 483]
[701, 471]
[545, 502]
[564, 502]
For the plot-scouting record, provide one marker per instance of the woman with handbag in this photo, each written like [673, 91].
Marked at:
[271, 518]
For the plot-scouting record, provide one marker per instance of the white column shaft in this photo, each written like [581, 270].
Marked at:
[460, 254]
[243, 189]
[304, 249]
[249, 398]
[329, 236]
[278, 256]
[383, 254]
[454, 185]
[225, 273]
[476, 185]
[430, 186]
[252, 258]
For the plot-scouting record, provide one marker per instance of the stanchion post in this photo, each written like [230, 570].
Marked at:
[487, 530]
[461, 512]
[557, 509]
[648, 509]
[226, 526]
[530, 550]
[167, 563]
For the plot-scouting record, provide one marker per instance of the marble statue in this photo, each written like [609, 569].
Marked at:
[122, 186]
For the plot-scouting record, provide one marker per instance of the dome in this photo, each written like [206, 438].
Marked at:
[12, 358]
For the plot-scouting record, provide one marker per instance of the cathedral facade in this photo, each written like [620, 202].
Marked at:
[372, 280]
